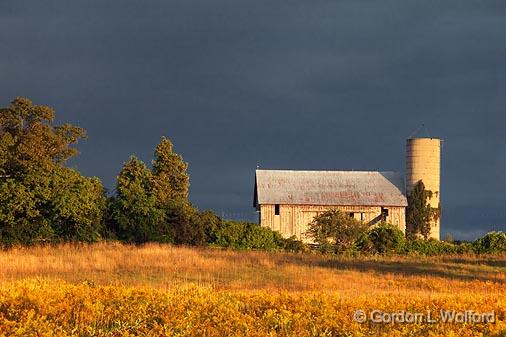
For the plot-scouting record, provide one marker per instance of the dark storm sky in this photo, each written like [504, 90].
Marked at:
[284, 84]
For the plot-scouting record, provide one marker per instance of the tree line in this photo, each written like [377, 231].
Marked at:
[44, 201]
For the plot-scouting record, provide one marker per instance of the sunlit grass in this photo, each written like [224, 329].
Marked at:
[258, 293]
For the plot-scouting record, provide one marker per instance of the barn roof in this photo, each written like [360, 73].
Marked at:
[338, 188]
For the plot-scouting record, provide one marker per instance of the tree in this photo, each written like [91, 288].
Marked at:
[171, 181]
[76, 206]
[335, 231]
[419, 213]
[135, 213]
[152, 205]
[46, 200]
[20, 218]
[29, 139]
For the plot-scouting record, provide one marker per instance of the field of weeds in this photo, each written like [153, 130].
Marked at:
[159, 290]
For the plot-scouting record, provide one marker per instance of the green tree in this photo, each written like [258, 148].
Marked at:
[335, 231]
[20, 218]
[29, 139]
[419, 213]
[152, 205]
[135, 213]
[171, 181]
[76, 206]
[46, 200]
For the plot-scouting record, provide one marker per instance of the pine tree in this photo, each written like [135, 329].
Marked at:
[171, 181]
[135, 213]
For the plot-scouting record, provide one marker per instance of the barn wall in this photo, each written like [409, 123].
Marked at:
[294, 219]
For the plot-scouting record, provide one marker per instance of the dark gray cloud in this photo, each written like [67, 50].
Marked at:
[288, 84]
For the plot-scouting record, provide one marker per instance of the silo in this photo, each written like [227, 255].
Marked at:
[423, 162]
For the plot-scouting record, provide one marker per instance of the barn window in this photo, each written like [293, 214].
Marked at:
[361, 216]
[384, 213]
[352, 215]
[276, 209]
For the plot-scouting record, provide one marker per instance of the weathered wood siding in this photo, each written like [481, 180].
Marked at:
[294, 219]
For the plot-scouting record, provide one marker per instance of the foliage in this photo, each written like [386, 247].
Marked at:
[335, 231]
[205, 226]
[491, 243]
[42, 199]
[433, 247]
[170, 179]
[245, 235]
[292, 244]
[76, 206]
[181, 217]
[135, 215]
[152, 205]
[29, 139]
[382, 238]
[419, 212]
[20, 219]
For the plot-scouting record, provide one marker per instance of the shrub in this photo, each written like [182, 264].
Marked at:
[292, 244]
[204, 225]
[434, 247]
[491, 243]
[181, 219]
[245, 235]
[383, 238]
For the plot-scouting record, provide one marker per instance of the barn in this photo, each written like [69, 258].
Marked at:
[287, 201]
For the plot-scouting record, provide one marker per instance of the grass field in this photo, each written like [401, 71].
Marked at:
[157, 290]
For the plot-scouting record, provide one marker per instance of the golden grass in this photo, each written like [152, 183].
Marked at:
[246, 285]
[163, 266]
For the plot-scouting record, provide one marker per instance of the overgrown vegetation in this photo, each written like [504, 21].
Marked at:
[384, 238]
[419, 213]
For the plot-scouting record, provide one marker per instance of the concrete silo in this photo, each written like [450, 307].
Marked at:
[423, 162]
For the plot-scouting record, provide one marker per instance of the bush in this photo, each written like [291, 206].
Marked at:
[491, 243]
[382, 239]
[433, 247]
[245, 235]
[204, 226]
[292, 244]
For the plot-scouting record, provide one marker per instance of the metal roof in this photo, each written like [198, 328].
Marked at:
[331, 188]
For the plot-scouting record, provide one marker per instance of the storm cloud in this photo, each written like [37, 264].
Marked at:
[279, 84]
